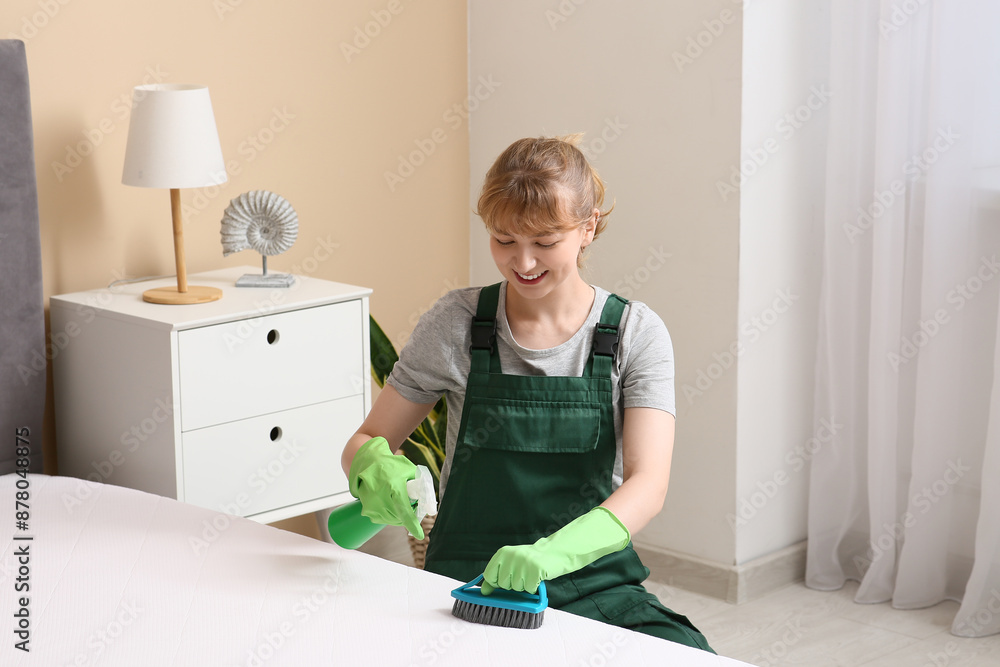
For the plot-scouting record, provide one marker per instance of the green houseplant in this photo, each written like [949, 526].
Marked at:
[426, 445]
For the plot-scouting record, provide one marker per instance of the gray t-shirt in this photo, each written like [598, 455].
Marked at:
[436, 361]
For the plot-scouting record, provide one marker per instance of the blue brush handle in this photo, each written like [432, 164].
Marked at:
[503, 598]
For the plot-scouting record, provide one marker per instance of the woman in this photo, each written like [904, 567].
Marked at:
[565, 398]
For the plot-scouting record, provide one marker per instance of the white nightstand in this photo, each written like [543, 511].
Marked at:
[241, 405]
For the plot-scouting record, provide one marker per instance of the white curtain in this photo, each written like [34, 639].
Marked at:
[906, 500]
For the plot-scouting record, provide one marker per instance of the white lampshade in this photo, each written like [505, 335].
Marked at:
[172, 139]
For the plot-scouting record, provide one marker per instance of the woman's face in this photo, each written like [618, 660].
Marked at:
[537, 266]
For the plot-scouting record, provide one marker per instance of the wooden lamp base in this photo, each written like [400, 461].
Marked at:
[182, 294]
[174, 297]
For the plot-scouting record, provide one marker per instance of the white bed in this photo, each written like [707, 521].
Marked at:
[121, 577]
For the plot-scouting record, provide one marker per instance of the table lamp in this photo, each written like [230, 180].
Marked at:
[173, 143]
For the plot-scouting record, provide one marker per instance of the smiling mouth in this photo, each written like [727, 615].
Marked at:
[528, 279]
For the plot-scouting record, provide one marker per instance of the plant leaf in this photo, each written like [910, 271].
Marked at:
[440, 408]
[383, 354]
[426, 434]
[441, 423]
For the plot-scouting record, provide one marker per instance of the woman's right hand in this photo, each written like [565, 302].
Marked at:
[378, 479]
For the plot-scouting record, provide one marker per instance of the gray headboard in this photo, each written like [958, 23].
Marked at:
[22, 323]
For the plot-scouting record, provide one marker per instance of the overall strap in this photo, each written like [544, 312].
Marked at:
[484, 331]
[605, 347]
[483, 349]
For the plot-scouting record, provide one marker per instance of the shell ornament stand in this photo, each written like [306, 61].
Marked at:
[265, 279]
[265, 222]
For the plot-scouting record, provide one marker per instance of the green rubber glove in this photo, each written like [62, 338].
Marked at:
[577, 544]
[378, 479]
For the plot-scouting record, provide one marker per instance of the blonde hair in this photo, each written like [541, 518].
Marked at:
[542, 186]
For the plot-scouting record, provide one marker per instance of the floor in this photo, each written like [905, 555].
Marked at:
[799, 626]
[796, 625]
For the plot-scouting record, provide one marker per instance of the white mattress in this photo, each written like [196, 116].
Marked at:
[121, 577]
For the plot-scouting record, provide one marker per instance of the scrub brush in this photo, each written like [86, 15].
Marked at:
[507, 609]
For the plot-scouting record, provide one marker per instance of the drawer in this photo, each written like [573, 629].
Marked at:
[270, 363]
[269, 462]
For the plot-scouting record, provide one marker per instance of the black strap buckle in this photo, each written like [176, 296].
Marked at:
[606, 340]
[483, 335]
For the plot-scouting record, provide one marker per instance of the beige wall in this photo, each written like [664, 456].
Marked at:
[298, 112]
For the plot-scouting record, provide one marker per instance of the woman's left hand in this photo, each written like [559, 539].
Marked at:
[575, 545]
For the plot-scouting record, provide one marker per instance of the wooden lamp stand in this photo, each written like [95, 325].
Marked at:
[183, 294]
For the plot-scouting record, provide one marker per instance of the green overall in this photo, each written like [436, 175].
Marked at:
[534, 453]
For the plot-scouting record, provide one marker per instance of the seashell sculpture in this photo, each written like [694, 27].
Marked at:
[265, 222]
